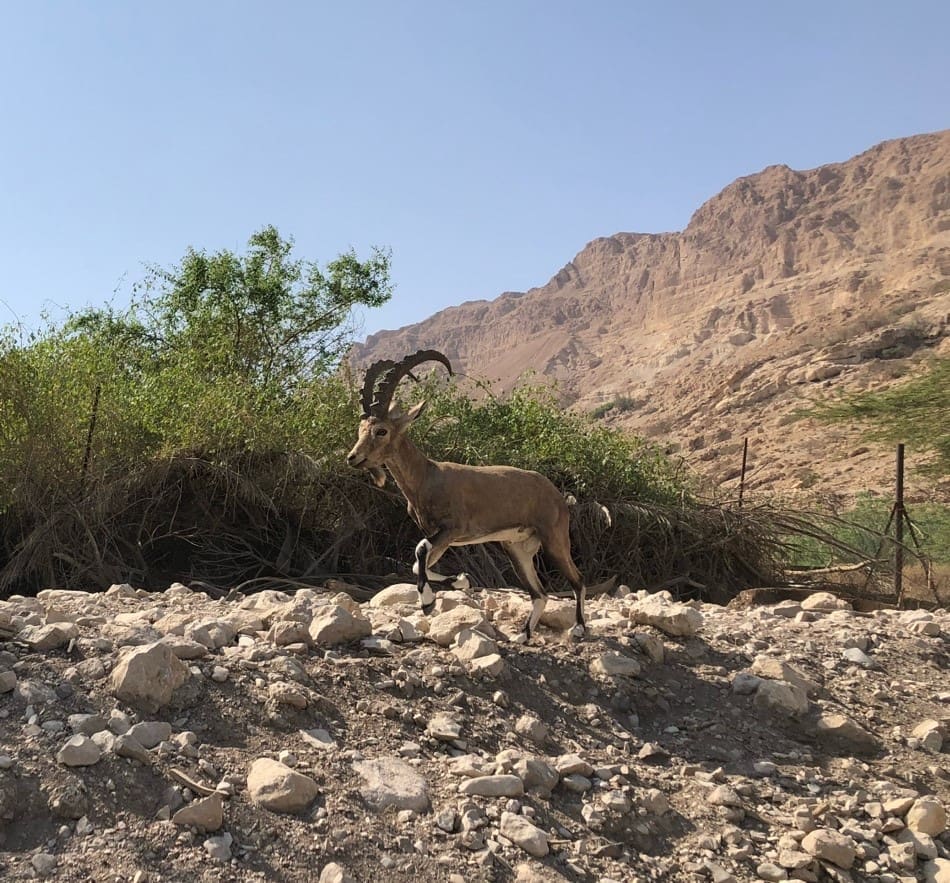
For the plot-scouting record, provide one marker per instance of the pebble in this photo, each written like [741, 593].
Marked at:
[493, 786]
[219, 848]
[857, 656]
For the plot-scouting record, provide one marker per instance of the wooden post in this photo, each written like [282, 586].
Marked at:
[745, 458]
[899, 516]
[92, 428]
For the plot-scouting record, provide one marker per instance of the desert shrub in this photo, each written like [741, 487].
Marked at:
[915, 411]
[621, 404]
[219, 365]
[528, 429]
[200, 434]
[858, 534]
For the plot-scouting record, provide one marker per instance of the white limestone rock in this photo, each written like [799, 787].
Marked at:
[672, 618]
[391, 782]
[525, 834]
[148, 676]
[337, 625]
[275, 786]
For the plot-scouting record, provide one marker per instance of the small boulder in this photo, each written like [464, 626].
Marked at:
[613, 664]
[491, 666]
[825, 601]
[525, 834]
[679, 620]
[79, 751]
[150, 733]
[927, 816]
[338, 626]
[779, 670]
[781, 698]
[390, 782]
[503, 785]
[532, 728]
[445, 727]
[48, 637]
[930, 733]
[471, 645]
[830, 846]
[334, 873]
[445, 626]
[148, 676]
[275, 786]
[127, 745]
[843, 731]
[206, 814]
[399, 594]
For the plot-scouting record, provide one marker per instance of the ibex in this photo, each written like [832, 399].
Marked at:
[458, 505]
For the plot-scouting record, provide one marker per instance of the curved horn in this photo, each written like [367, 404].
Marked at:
[369, 383]
[387, 387]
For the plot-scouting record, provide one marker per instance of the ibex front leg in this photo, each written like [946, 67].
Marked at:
[428, 552]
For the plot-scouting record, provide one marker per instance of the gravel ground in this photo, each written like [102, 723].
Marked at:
[304, 737]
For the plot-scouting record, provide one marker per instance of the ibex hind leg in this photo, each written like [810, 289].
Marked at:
[522, 559]
[559, 551]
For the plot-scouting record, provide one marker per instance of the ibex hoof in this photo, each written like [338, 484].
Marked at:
[428, 608]
[462, 582]
[577, 632]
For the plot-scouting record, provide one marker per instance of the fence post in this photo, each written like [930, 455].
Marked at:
[899, 516]
[745, 458]
[92, 428]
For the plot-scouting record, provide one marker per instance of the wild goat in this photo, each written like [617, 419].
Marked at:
[457, 505]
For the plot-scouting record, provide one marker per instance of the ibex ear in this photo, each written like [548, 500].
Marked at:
[417, 411]
[403, 420]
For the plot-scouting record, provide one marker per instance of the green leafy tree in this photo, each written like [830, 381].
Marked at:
[263, 316]
[222, 351]
[916, 412]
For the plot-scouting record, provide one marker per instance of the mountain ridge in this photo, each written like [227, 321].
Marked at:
[784, 286]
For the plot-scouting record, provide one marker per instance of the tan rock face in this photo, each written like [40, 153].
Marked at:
[784, 286]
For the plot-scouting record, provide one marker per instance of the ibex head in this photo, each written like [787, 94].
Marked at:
[382, 423]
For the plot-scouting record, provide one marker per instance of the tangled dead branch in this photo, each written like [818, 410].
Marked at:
[254, 519]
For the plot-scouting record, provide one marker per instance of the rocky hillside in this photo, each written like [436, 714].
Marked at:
[786, 286]
[303, 737]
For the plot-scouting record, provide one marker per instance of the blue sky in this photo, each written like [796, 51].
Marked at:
[483, 143]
